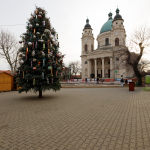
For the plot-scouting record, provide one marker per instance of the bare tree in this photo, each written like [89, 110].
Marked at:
[140, 40]
[9, 49]
[75, 67]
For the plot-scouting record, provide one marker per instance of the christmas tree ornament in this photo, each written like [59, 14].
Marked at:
[57, 36]
[42, 75]
[26, 71]
[40, 13]
[23, 74]
[57, 55]
[49, 68]
[26, 49]
[20, 42]
[39, 63]
[48, 50]
[37, 25]
[34, 81]
[34, 68]
[47, 81]
[34, 31]
[43, 23]
[34, 60]
[43, 54]
[33, 53]
[31, 63]
[36, 45]
[34, 36]
[30, 43]
[46, 30]
[39, 16]
[44, 61]
[36, 11]
[43, 46]
[30, 26]
[38, 33]
[20, 55]
[21, 62]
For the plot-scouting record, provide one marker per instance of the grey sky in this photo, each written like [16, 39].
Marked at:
[68, 17]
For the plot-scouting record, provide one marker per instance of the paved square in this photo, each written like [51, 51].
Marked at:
[76, 119]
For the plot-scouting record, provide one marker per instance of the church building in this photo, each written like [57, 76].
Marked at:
[103, 62]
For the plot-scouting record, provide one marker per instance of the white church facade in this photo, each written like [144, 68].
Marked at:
[103, 61]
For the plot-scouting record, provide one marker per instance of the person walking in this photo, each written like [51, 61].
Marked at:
[122, 82]
[97, 80]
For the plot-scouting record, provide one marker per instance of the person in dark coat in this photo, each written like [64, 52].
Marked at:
[122, 82]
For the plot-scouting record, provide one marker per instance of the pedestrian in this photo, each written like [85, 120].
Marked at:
[122, 82]
[97, 80]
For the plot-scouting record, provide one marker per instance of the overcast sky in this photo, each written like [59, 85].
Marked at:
[68, 17]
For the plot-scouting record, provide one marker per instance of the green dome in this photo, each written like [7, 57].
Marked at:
[107, 26]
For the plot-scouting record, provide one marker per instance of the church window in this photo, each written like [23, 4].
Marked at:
[116, 42]
[91, 47]
[86, 48]
[107, 41]
[117, 59]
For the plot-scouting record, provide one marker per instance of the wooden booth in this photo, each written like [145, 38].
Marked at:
[6, 81]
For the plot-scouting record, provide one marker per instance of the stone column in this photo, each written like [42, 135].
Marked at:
[111, 68]
[103, 76]
[89, 68]
[95, 67]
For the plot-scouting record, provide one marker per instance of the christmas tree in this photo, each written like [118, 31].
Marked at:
[40, 60]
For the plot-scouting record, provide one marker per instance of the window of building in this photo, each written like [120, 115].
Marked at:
[85, 62]
[91, 47]
[108, 62]
[86, 48]
[117, 59]
[116, 42]
[89, 31]
[107, 41]
[116, 22]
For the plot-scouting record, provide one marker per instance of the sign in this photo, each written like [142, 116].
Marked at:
[116, 71]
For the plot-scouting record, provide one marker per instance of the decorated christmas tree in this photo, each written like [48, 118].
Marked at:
[40, 59]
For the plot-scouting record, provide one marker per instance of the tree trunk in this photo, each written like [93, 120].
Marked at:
[40, 94]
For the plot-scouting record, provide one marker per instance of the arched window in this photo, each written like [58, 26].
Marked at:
[107, 41]
[116, 42]
[91, 47]
[86, 48]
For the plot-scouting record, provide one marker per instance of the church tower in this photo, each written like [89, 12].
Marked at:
[87, 39]
[118, 34]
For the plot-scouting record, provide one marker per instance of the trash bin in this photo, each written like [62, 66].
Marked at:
[131, 86]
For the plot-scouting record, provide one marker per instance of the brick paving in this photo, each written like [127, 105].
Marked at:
[76, 119]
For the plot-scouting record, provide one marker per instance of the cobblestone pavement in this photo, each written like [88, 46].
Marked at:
[76, 119]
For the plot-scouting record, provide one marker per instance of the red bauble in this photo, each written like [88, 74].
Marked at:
[39, 16]
[34, 68]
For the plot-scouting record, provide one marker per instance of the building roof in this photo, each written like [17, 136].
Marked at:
[118, 16]
[6, 72]
[87, 26]
[107, 26]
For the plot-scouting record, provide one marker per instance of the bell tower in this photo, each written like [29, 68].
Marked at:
[118, 31]
[87, 39]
